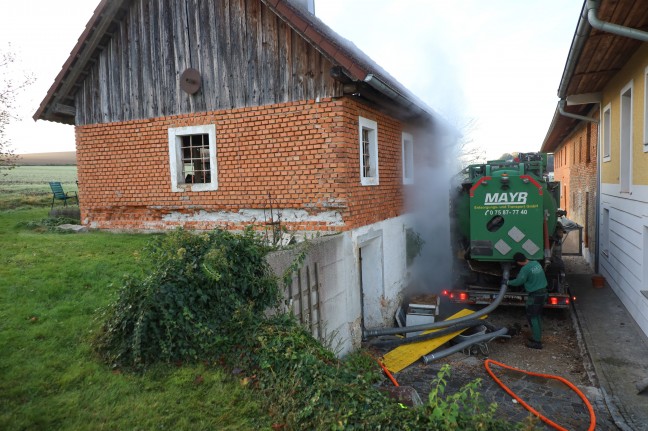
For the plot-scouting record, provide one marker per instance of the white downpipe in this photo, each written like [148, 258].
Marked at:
[561, 109]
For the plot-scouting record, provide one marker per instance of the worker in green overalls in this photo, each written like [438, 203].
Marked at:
[533, 278]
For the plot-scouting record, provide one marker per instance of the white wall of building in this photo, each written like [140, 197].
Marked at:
[623, 258]
[343, 305]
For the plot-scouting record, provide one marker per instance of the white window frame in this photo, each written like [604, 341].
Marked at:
[605, 232]
[645, 113]
[606, 142]
[175, 158]
[372, 128]
[407, 152]
[626, 112]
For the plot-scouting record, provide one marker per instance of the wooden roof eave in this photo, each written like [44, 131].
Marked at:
[594, 58]
[66, 81]
[357, 66]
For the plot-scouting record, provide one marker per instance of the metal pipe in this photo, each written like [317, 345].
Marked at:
[506, 269]
[582, 31]
[432, 335]
[561, 109]
[592, 11]
[431, 357]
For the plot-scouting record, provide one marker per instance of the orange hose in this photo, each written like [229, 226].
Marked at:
[546, 420]
[387, 373]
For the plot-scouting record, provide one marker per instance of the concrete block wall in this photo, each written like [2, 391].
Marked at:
[340, 290]
[304, 154]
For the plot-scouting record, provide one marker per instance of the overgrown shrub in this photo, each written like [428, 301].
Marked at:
[198, 287]
[204, 299]
[306, 387]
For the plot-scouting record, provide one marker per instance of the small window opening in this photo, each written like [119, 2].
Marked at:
[195, 159]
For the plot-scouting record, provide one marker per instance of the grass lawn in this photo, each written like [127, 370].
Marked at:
[25, 186]
[51, 288]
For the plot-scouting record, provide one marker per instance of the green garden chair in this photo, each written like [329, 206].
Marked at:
[59, 195]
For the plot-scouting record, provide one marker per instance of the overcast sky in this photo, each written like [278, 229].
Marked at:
[494, 63]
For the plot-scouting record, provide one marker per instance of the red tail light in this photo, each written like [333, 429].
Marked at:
[463, 296]
[553, 300]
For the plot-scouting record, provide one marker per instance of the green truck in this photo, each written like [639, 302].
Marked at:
[500, 208]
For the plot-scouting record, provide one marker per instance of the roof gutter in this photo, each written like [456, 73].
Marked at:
[582, 31]
[592, 11]
[411, 102]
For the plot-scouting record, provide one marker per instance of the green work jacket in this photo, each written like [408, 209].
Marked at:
[532, 276]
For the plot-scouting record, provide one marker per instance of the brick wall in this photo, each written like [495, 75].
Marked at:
[305, 154]
[575, 168]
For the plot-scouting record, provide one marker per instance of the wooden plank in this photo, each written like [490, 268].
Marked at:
[195, 27]
[298, 64]
[153, 35]
[309, 299]
[320, 330]
[285, 63]
[252, 43]
[167, 62]
[181, 47]
[124, 66]
[104, 97]
[224, 54]
[134, 60]
[147, 83]
[238, 54]
[268, 56]
[208, 47]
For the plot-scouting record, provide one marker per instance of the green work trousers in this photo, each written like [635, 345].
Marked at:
[534, 305]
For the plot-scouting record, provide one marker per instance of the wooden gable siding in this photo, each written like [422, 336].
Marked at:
[245, 54]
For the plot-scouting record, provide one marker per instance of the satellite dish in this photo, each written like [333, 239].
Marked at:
[190, 81]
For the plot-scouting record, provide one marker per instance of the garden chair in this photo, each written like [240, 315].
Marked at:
[59, 194]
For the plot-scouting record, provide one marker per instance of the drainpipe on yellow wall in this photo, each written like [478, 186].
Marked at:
[561, 109]
[592, 11]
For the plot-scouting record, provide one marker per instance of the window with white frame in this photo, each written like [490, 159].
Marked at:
[625, 139]
[192, 158]
[645, 113]
[368, 137]
[605, 232]
[607, 132]
[408, 158]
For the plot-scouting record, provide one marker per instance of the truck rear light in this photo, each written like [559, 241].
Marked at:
[463, 296]
[553, 300]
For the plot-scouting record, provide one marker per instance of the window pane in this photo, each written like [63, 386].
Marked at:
[366, 153]
[195, 159]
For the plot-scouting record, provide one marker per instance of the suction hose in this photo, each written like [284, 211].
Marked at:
[436, 334]
[366, 333]
[431, 357]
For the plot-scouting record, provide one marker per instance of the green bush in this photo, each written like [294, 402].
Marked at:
[306, 387]
[198, 287]
[205, 298]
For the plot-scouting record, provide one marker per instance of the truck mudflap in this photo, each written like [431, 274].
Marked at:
[476, 295]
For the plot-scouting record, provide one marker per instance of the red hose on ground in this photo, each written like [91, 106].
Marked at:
[546, 420]
[387, 373]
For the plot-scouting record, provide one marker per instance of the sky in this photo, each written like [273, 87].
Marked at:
[491, 68]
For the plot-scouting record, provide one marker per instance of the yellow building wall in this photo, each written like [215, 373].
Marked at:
[635, 71]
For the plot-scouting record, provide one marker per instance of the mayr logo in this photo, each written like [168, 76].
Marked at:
[518, 198]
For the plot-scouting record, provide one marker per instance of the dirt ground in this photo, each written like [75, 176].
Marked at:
[561, 354]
